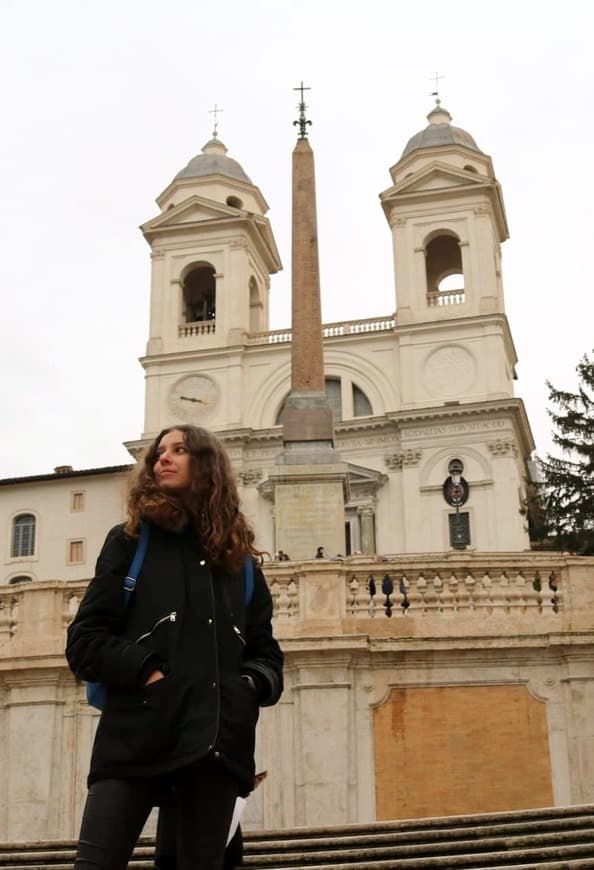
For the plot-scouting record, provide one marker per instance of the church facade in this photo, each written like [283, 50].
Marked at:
[434, 664]
[412, 391]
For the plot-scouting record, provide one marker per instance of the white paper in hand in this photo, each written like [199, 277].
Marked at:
[237, 814]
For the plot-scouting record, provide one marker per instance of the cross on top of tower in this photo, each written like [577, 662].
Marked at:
[216, 111]
[302, 122]
[435, 93]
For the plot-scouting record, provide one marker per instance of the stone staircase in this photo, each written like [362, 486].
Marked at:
[560, 838]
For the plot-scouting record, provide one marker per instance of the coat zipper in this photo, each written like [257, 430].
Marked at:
[216, 656]
[239, 634]
[171, 617]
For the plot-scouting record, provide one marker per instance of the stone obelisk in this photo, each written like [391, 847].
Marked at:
[310, 481]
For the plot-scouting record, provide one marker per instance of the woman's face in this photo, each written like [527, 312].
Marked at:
[172, 468]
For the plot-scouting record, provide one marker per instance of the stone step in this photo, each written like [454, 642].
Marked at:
[430, 839]
[553, 839]
[456, 851]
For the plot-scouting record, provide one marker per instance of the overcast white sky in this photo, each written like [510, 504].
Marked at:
[103, 102]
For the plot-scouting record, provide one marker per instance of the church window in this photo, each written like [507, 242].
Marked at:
[78, 502]
[76, 552]
[20, 578]
[199, 289]
[333, 394]
[470, 168]
[361, 404]
[23, 536]
[445, 276]
[234, 202]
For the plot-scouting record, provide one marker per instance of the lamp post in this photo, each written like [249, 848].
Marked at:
[455, 492]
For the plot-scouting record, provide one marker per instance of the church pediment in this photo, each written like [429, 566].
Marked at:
[437, 176]
[194, 210]
[364, 481]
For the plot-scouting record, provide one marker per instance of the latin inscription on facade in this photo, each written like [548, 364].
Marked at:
[455, 428]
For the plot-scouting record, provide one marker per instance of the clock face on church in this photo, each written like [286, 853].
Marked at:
[193, 398]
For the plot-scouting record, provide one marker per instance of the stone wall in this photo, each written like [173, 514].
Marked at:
[485, 661]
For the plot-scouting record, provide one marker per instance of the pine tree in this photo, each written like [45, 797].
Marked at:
[569, 481]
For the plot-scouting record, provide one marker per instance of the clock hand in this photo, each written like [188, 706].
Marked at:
[191, 399]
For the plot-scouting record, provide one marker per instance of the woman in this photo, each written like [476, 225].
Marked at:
[187, 664]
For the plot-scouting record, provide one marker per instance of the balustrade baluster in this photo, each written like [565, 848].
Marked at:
[470, 589]
[500, 593]
[422, 592]
[448, 600]
[487, 592]
[5, 619]
[293, 598]
[352, 604]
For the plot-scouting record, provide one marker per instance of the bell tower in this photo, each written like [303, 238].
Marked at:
[458, 415]
[212, 252]
[446, 213]
[447, 217]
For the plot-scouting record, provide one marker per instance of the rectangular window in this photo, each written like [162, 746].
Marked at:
[23, 536]
[78, 501]
[76, 552]
[459, 530]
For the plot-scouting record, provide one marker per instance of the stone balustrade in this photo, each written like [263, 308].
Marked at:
[441, 595]
[444, 630]
[446, 297]
[198, 327]
[329, 330]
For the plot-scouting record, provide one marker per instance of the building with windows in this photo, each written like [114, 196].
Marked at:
[436, 626]
[411, 390]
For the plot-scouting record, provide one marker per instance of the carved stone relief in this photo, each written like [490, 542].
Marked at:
[404, 459]
[502, 447]
[250, 477]
[449, 371]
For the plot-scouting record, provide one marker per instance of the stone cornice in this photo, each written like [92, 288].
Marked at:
[67, 475]
[513, 407]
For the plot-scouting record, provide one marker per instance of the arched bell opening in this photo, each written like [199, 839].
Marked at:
[199, 294]
[256, 307]
[445, 272]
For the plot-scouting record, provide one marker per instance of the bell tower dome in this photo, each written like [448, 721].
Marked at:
[447, 216]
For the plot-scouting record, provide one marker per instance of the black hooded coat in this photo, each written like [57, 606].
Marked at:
[189, 618]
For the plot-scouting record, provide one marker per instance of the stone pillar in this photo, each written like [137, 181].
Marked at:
[367, 520]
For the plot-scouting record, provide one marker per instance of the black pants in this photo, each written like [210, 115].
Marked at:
[116, 811]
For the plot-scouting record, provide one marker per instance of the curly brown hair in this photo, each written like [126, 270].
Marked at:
[211, 503]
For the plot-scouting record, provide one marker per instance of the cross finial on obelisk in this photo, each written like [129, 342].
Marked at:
[216, 111]
[302, 121]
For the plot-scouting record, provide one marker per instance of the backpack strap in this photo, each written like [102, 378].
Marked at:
[248, 579]
[141, 548]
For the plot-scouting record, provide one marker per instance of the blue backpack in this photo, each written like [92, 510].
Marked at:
[97, 692]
